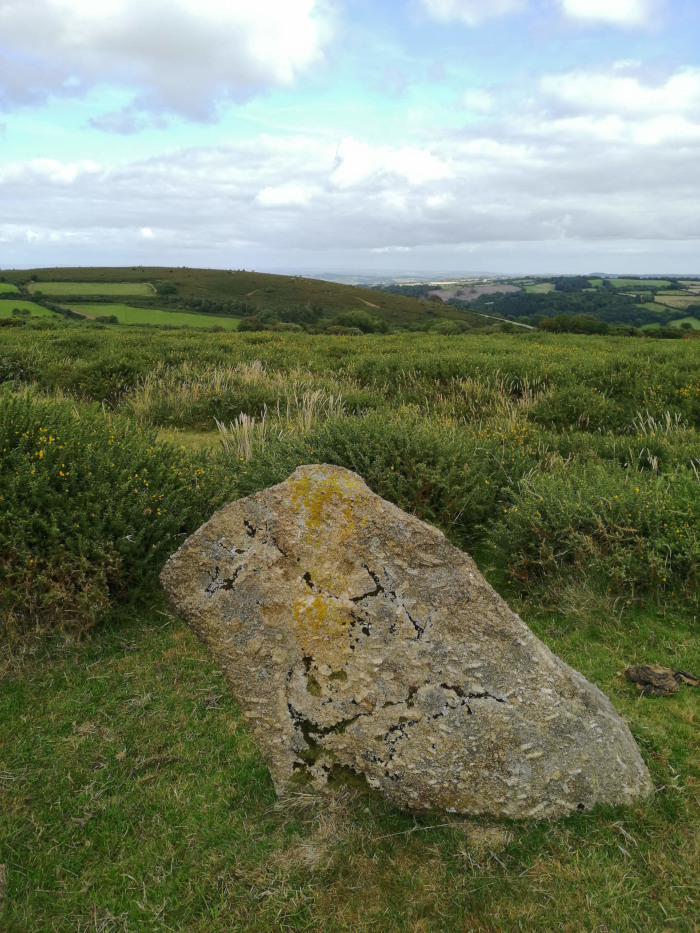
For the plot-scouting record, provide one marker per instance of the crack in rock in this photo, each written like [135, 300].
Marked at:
[218, 583]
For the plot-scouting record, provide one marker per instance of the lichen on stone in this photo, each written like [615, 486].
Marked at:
[361, 644]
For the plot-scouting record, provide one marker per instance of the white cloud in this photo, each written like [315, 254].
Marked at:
[471, 12]
[358, 162]
[585, 156]
[625, 13]
[526, 180]
[284, 196]
[625, 94]
[182, 56]
[617, 12]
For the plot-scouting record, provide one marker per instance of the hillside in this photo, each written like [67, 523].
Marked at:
[632, 303]
[245, 292]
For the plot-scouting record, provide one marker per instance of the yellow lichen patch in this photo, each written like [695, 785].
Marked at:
[325, 500]
[322, 623]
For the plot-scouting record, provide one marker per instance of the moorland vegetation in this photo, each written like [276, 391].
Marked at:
[132, 795]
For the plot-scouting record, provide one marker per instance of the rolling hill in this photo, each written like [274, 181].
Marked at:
[244, 292]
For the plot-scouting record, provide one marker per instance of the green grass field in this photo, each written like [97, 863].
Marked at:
[56, 289]
[154, 317]
[676, 301]
[693, 321]
[540, 289]
[6, 306]
[7, 288]
[134, 799]
[631, 284]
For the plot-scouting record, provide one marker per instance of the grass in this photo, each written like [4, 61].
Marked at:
[541, 289]
[128, 315]
[7, 305]
[677, 301]
[56, 289]
[133, 798]
[7, 288]
[632, 285]
[693, 321]
[190, 440]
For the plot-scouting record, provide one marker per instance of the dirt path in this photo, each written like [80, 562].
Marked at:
[255, 290]
[503, 320]
[368, 303]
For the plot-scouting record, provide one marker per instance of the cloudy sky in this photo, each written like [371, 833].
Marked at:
[333, 135]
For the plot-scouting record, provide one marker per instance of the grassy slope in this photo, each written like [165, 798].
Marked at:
[133, 798]
[89, 288]
[128, 315]
[261, 289]
[7, 305]
[8, 288]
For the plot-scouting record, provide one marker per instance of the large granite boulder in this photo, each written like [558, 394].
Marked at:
[357, 639]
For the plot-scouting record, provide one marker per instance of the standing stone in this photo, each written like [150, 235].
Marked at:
[358, 640]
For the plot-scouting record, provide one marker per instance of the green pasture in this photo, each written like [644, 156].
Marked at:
[631, 285]
[693, 321]
[154, 317]
[7, 288]
[8, 304]
[541, 289]
[677, 300]
[57, 289]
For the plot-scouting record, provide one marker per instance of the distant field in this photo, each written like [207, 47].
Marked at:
[92, 288]
[675, 300]
[6, 306]
[7, 288]
[127, 315]
[540, 289]
[632, 284]
[693, 321]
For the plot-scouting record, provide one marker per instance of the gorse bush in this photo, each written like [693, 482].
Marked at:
[446, 476]
[637, 531]
[524, 449]
[502, 490]
[90, 509]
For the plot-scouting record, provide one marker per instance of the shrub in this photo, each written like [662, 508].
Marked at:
[91, 507]
[636, 531]
[452, 478]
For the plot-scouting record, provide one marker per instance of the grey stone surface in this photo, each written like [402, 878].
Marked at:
[357, 639]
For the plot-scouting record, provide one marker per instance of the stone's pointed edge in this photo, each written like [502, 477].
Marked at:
[358, 641]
